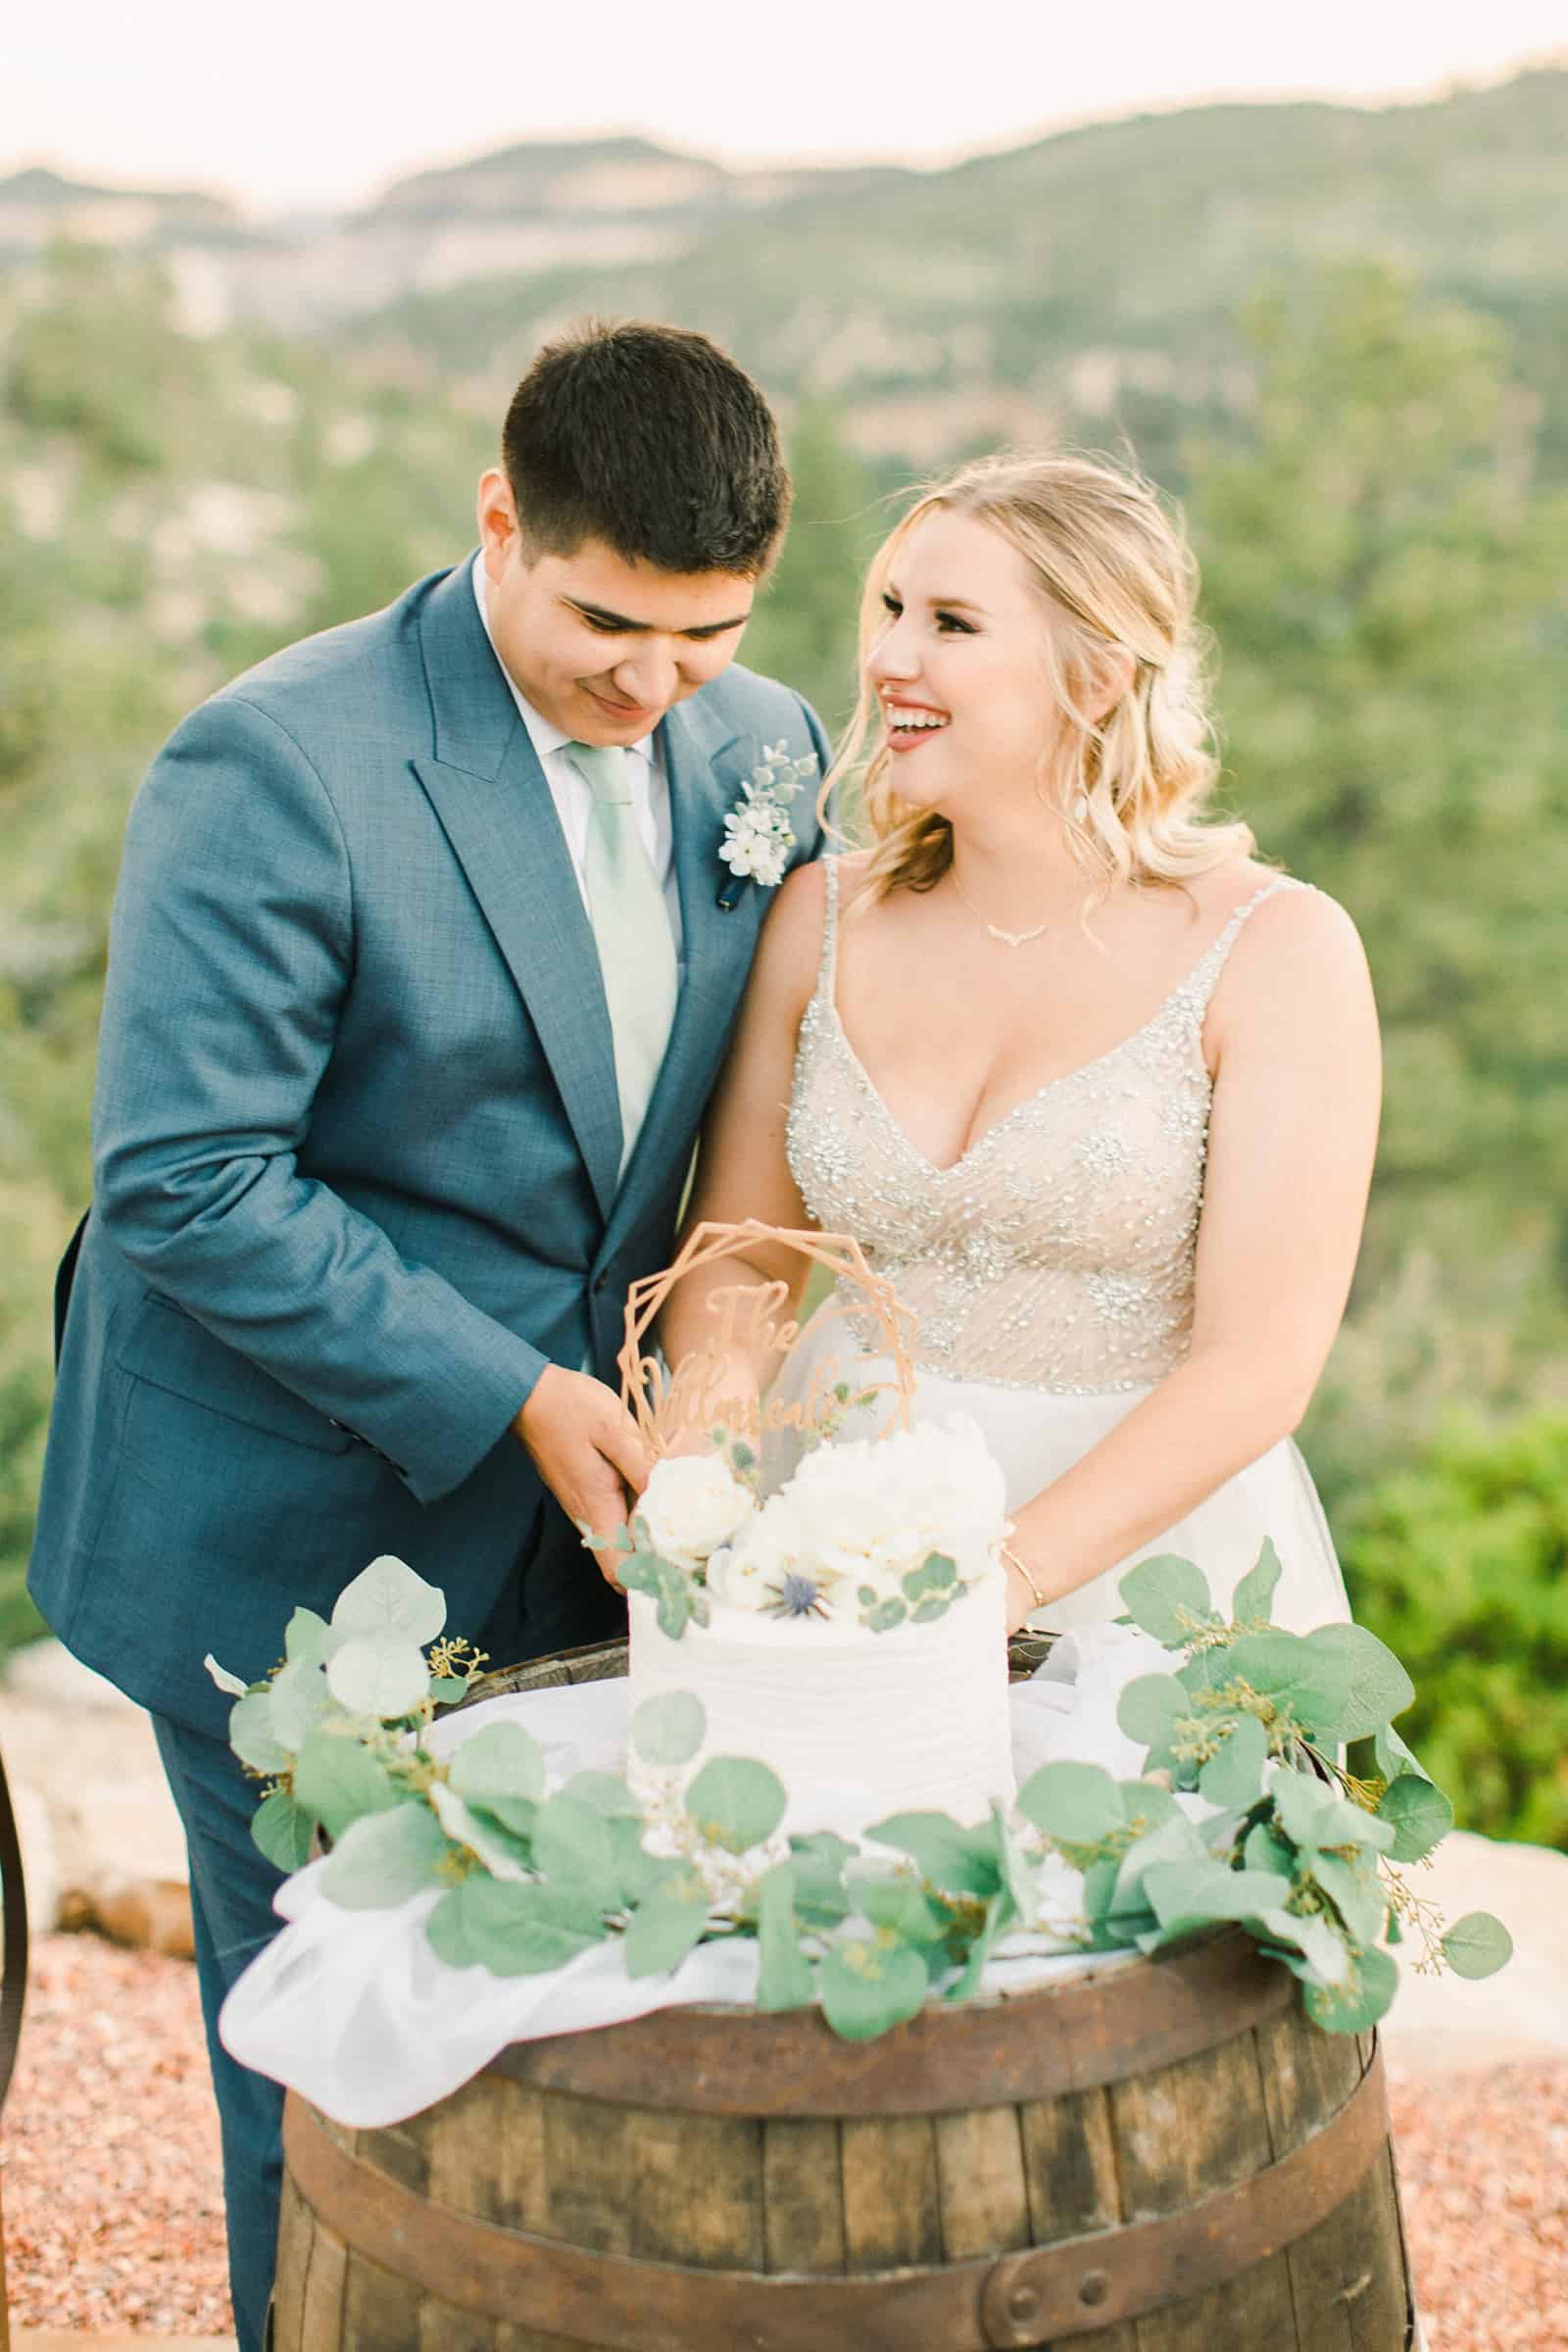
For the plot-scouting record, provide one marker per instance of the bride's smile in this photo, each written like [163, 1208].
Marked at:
[957, 671]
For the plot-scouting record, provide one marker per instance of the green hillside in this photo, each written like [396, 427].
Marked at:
[1091, 284]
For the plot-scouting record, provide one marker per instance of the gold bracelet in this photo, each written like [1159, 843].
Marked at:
[1010, 1555]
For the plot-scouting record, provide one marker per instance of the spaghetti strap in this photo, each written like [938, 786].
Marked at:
[1214, 964]
[827, 968]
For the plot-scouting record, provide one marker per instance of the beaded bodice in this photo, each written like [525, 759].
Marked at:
[1059, 1252]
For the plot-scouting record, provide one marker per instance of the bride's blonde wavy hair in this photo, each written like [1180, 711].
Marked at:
[1118, 579]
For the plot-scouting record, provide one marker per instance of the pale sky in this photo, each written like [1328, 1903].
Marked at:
[319, 103]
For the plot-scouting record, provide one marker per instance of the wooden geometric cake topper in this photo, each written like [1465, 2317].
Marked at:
[671, 1403]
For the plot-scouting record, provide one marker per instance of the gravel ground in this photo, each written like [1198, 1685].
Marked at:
[113, 2216]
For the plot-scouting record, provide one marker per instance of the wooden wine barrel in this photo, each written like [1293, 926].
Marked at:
[1153, 2156]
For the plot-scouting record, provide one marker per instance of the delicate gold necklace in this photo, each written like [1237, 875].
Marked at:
[1008, 938]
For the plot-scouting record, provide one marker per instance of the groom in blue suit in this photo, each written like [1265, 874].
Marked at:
[422, 964]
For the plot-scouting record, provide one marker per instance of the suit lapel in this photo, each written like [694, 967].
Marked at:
[489, 791]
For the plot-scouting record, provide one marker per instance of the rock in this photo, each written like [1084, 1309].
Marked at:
[1442, 2022]
[47, 1674]
[93, 1805]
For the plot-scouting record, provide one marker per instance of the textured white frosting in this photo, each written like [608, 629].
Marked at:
[857, 1725]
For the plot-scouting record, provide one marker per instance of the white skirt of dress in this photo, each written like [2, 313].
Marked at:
[1037, 1436]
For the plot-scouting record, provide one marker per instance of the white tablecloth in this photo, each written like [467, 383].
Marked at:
[354, 2009]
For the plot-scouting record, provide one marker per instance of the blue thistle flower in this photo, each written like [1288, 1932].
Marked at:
[797, 1597]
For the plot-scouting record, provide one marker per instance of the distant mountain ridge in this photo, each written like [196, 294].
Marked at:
[1088, 282]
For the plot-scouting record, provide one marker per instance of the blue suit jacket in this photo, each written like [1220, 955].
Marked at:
[355, 1145]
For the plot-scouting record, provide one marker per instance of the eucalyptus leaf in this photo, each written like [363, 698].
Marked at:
[338, 1781]
[519, 1931]
[637, 1871]
[308, 1636]
[230, 1683]
[1300, 1803]
[1099, 1887]
[300, 1699]
[1392, 1758]
[1196, 1893]
[736, 1802]
[1312, 1815]
[1285, 1667]
[665, 1925]
[447, 1933]
[381, 1674]
[1169, 1597]
[383, 1858]
[1355, 2005]
[284, 1831]
[1356, 1892]
[1476, 1946]
[928, 1611]
[885, 1616]
[1377, 1686]
[1148, 1804]
[250, 1734]
[960, 1861]
[1321, 1956]
[445, 1690]
[1419, 1814]
[1253, 1597]
[900, 1905]
[865, 1988]
[1262, 1850]
[1150, 1706]
[501, 1760]
[571, 1850]
[785, 1980]
[516, 1815]
[1018, 1877]
[1077, 1804]
[1175, 1840]
[669, 1729]
[1000, 1913]
[607, 1792]
[503, 1856]
[820, 1895]
[387, 1598]
[1234, 1776]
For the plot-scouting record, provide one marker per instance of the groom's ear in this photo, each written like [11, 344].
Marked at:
[499, 531]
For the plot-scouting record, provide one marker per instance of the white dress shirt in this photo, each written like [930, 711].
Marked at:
[573, 794]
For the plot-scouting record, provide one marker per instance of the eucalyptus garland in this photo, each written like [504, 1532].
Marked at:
[1309, 1809]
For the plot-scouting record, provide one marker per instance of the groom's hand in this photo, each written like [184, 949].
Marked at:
[587, 1450]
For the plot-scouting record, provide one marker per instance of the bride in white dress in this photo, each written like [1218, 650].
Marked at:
[1095, 1088]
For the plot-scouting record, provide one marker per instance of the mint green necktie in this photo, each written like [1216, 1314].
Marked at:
[631, 929]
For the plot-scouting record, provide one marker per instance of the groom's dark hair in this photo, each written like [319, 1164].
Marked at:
[652, 440]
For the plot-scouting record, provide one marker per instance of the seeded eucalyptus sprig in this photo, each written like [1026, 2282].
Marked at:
[1275, 1834]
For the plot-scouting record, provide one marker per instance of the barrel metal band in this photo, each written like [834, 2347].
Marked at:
[1041, 2296]
[1103, 2026]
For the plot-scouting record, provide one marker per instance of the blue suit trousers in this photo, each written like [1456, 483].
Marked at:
[231, 1890]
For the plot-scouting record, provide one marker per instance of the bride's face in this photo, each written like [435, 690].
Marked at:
[959, 670]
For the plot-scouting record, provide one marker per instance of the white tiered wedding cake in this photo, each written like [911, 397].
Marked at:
[849, 1632]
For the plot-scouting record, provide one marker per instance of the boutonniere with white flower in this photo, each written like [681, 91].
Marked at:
[758, 834]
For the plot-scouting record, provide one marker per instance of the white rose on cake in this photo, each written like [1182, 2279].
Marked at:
[863, 1515]
[692, 1507]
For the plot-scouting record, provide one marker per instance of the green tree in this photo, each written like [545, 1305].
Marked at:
[804, 628]
[1384, 572]
[1460, 1563]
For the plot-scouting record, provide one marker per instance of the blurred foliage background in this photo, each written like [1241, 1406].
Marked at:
[1364, 414]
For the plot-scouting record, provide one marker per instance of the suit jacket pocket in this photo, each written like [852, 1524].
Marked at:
[169, 1349]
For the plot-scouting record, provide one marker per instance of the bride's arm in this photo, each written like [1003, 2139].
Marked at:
[742, 1167]
[1293, 1034]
